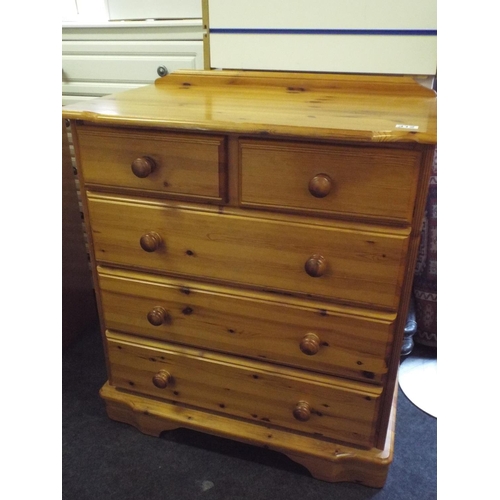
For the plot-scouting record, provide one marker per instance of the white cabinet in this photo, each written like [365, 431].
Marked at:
[153, 9]
[341, 36]
[100, 59]
[103, 67]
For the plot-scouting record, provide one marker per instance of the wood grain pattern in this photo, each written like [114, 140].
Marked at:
[186, 165]
[261, 294]
[411, 258]
[352, 342]
[365, 182]
[344, 107]
[339, 409]
[206, 35]
[370, 469]
[79, 310]
[361, 267]
[325, 460]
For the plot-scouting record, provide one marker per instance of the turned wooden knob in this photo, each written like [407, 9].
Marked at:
[157, 316]
[302, 411]
[143, 166]
[316, 266]
[150, 241]
[320, 185]
[310, 344]
[161, 379]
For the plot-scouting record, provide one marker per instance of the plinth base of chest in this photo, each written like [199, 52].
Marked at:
[325, 460]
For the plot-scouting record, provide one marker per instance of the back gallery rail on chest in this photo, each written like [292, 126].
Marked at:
[253, 237]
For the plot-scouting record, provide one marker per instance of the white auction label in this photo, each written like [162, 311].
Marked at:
[407, 127]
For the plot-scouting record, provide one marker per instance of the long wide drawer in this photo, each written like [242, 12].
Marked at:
[334, 340]
[356, 181]
[164, 164]
[288, 398]
[281, 255]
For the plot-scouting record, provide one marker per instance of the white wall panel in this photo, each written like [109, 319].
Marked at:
[323, 14]
[346, 36]
[153, 9]
[345, 54]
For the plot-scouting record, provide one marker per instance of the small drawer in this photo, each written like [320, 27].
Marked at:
[164, 164]
[313, 404]
[137, 62]
[302, 258]
[365, 182]
[318, 337]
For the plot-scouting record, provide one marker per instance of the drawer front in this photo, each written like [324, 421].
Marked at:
[142, 69]
[127, 61]
[352, 181]
[165, 164]
[283, 397]
[325, 339]
[348, 265]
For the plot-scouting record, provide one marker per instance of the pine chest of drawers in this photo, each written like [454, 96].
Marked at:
[253, 238]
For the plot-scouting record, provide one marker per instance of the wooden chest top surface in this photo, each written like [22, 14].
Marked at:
[320, 106]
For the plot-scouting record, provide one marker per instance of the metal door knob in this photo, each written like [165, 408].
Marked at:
[162, 71]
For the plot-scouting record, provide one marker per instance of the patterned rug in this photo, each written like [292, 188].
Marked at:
[425, 279]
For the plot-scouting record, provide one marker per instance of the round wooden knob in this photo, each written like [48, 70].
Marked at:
[316, 266]
[143, 166]
[161, 379]
[320, 185]
[157, 316]
[302, 411]
[150, 241]
[310, 344]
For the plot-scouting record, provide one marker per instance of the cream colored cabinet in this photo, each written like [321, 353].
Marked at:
[101, 59]
[153, 9]
[341, 36]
